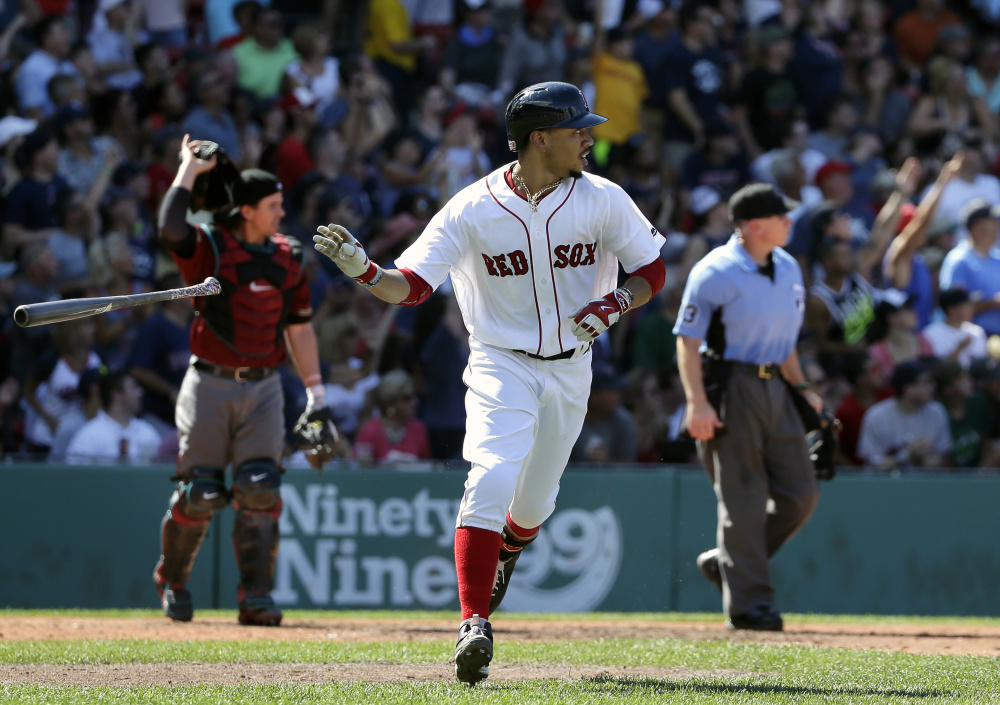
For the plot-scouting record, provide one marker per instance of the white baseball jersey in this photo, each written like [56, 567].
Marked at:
[518, 275]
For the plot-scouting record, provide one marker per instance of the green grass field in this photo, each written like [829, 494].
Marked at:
[718, 670]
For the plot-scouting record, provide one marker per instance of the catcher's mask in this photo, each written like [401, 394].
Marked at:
[212, 190]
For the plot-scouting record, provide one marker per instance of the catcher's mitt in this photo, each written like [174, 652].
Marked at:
[316, 436]
[823, 446]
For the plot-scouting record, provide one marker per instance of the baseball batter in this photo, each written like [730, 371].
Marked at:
[533, 251]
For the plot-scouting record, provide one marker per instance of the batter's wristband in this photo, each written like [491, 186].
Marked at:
[624, 298]
[375, 280]
[371, 273]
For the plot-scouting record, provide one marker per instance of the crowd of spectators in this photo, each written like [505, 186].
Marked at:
[880, 117]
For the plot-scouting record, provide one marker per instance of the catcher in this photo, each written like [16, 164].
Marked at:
[743, 307]
[229, 408]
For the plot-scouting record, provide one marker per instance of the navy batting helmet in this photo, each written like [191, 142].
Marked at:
[545, 105]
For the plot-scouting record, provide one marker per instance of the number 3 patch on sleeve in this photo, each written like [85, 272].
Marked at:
[690, 314]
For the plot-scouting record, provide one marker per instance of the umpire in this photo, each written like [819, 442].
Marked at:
[740, 318]
[229, 408]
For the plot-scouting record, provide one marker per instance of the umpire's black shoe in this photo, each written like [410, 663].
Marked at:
[762, 619]
[474, 650]
[176, 601]
[708, 564]
[505, 569]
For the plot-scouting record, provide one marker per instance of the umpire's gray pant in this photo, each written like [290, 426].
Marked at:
[762, 454]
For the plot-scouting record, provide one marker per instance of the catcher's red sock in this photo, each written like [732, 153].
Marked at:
[476, 554]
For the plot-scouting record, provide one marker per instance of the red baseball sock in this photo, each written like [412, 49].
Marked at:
[476, 554]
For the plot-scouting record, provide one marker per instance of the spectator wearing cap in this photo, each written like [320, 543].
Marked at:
[956, 337]
[719, 163]
[903, 266]
[841, 217]
[948, 115]
[983, 76]
[116, 433]
[210, 119]
[974, 265]
[471, 62]
[953, 41]
[264, 55]
[29, 214]
[694, 74]
[609, 431]
[620, 88]
[916, 31]
[292, 159]
[841, 121]
[768, 96]
[83, 155]
[909, 430]
[712, 227]
[743, 304]
[111, 42]
[52, 43]
[894, 335]
[315, 69]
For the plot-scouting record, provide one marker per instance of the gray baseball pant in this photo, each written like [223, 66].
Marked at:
[761, 455]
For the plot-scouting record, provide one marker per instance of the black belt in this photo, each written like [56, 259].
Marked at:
[765, 371]
[561, 356]
[240, 374]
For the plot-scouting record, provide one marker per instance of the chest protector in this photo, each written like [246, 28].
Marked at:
[258, 287]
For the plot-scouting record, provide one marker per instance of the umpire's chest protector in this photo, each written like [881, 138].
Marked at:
[258, 288]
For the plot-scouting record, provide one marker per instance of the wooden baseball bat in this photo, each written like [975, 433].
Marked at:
[55, 311]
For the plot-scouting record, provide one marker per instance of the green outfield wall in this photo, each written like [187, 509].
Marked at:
[88, 537]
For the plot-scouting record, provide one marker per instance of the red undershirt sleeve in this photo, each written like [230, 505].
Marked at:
[419, 289]
[655, 273]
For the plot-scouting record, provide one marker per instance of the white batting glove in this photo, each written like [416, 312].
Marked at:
[597, 315]
[337, 243]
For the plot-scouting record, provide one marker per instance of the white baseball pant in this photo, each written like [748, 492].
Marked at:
[523, 417]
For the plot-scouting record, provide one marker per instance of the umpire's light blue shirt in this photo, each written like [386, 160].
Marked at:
[731, 303]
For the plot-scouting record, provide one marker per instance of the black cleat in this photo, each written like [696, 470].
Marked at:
[505, 569]
[257, 609]
[762, 619]
[708, 564]
[176, 601]
[474, 650]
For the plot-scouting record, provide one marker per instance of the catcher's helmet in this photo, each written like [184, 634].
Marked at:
[544, 105]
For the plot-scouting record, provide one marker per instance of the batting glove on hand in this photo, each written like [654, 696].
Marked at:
[337, 243]
[598, 315]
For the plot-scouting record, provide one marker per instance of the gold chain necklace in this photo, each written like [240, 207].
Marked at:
[533, 200]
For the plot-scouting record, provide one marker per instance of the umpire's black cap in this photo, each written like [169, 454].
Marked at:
[758, 201]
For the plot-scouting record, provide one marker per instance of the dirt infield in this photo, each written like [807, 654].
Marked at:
[952, 639]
